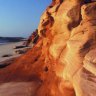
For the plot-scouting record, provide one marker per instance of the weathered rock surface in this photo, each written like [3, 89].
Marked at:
[32, 38]
[64, 58]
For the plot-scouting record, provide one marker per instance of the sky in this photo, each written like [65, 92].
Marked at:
[19, 18]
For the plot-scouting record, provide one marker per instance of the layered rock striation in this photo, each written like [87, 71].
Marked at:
[64, 58]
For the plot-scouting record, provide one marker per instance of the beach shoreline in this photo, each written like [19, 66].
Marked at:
[7, 51]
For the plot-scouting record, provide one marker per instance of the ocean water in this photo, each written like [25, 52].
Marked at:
[2, 42]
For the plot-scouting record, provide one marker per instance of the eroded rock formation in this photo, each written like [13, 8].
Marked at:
[33, 38]
[64, 57]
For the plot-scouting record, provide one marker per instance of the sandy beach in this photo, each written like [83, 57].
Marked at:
[8, 49]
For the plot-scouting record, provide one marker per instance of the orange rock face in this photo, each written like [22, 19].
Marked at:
[64, 57]
[33, 38]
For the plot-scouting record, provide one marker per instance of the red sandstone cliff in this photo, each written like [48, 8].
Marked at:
[64, 57]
